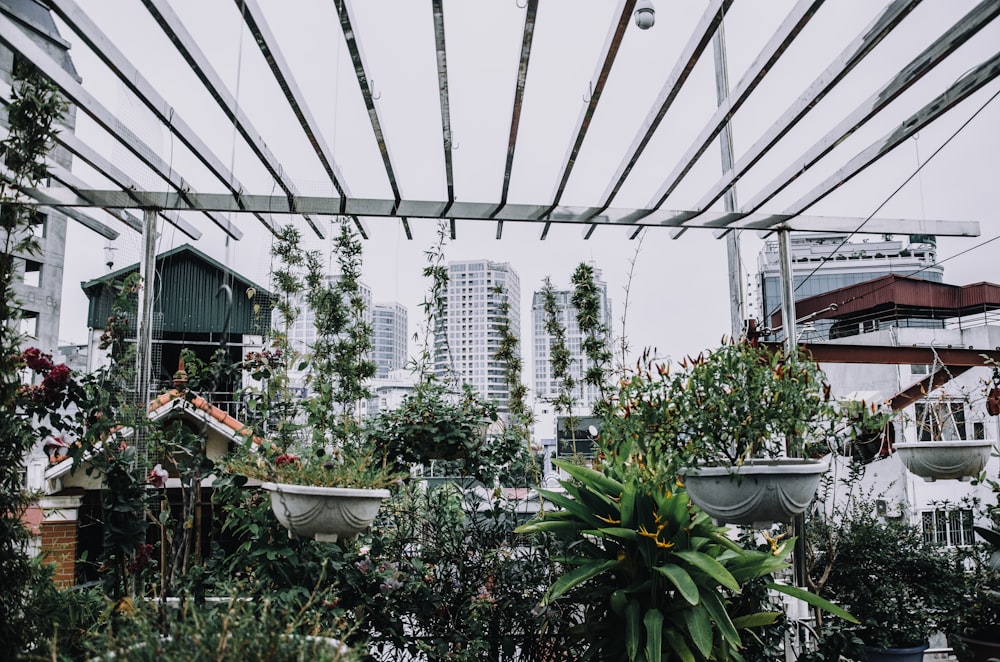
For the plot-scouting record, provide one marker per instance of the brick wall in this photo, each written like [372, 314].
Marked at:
[59, 534]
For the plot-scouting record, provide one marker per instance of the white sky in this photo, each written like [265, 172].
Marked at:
[678, 300]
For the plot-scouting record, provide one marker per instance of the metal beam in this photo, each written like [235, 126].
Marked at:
[481, 211]
[87, 221]
[887, 355]
[116, 61]
[530, 14]
[255, 20]
[954, 37]
[843, 64]
[769, 55]
[599, 80]
[443, 96]
[164, 15]
[919, 391]
[14, 37]
[699, 40]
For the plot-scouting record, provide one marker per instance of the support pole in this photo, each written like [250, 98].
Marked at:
[736, 305]
[144, 323]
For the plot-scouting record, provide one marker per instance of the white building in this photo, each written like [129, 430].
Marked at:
[468, 336]
[389, 337]
[912, 322]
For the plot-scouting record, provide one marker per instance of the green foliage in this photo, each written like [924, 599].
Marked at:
[586, 299]
[434, 423]
[651, 575]
[736, 403]
[560, 357]
[898, 587]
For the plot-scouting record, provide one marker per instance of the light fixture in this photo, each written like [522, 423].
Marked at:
[645, 15]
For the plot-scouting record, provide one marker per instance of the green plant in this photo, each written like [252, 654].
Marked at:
[899, 588]
[734, 404]
[434, 423]
[587, 302]
[651, 576]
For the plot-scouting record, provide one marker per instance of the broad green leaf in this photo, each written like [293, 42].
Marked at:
[615, 532]
[680, 578]
[717, 610]
[593, 479]
[679, 646]
[813, 599]
[627, 505]
[633, 629]
[759, 619]
[992, 536]
[710, 567]
[700, 628]
[576, 577]
[551, 526]
[653, 620]
[579, 510]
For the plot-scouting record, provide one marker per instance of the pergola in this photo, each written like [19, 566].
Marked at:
[698, 51]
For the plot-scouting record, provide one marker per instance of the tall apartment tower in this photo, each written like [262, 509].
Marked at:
[546, 386]
[389, 337]
[39, 276]
[828, 261]
[468, 336]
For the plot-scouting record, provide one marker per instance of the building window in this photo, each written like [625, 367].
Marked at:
[32, 273]
[947, 527]
[942, 420]
[29, 324]
[38, 223]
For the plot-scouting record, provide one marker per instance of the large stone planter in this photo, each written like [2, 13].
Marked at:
[759, 493]
[914, 654]
[945, 460]
[326, 514]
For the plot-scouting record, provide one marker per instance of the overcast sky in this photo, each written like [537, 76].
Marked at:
[678, 299]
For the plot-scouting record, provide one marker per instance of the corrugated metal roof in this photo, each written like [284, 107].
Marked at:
[189, 295]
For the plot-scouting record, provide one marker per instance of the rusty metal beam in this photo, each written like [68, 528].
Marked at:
[960, 357]
[918, 391]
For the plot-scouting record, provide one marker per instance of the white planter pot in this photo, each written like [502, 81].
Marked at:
[324, 513]
[759, 493]
[945, 460]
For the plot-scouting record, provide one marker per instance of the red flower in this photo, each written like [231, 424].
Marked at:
[37, 360]
[285, 458]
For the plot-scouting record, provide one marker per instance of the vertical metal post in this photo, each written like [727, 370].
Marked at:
[726, 144]
[144, 323]
[787, 291]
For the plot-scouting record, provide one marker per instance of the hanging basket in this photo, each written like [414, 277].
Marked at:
[758, 493]
[945, 460]
[326, 514]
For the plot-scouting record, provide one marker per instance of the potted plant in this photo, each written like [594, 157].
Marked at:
[900, 588]
[434, 423]
[735, 424]
[941, 453]
[979, 638]
[870, 432]
[325, 475]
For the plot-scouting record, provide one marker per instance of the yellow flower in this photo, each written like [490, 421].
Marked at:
[609, 520]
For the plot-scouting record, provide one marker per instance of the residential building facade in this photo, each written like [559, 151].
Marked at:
[467, 336]
[389, 337]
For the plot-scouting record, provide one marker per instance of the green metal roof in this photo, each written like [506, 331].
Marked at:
[189, 296]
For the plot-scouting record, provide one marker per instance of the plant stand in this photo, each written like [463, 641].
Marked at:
[758, 493]
[945, 460]
[326, 514]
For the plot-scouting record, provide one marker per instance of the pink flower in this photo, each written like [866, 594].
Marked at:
[285, 458]
[158, 476]
[37, 360]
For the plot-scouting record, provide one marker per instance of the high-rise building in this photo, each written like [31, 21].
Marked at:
[39, 276]
[546, 386]
[828, 261]
[468, 336]
[389, 336]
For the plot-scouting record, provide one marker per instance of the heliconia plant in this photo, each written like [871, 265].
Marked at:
[653, 577]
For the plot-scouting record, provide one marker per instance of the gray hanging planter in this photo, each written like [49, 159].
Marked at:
[758, 493]
[326, 514]
[945, 460]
